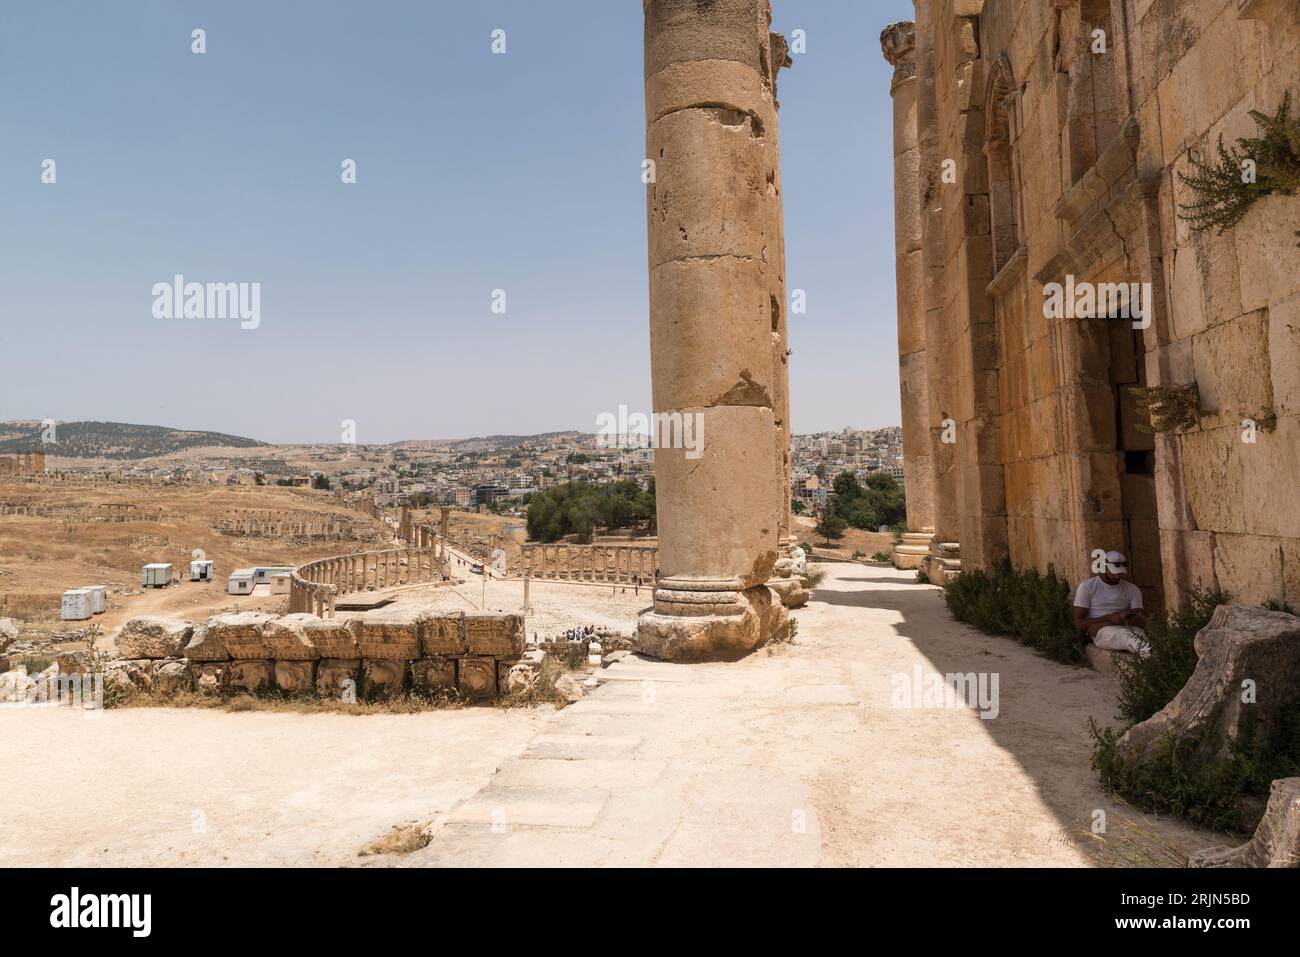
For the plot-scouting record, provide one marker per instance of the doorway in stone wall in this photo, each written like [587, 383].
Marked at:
[1135, 454]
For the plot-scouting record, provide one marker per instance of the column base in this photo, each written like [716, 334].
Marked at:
[788, 587]
[694, 625]
[913, 550]
[943, 563]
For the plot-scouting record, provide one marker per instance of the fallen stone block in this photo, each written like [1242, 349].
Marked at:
[388, 634]
[247, 674]
[433, 674]
[210, 676]
[1277, 839]
[153, 637]
[242, 634]
[382, 678]
[331, 637]
[286, 639]
[172, 676]
[8, 634]
[338, 676]
[1247, 674]
[1103, 661]
[568, 688]
[519, 678]
[498, 635]
[443, 634]
[295, 676]
[75, 663]
[477, 678]
[206, 645]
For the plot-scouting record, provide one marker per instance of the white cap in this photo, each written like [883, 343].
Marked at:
[1116, 563]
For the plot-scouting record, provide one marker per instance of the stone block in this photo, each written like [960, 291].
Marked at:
[443, 634]
[433, 674]
[331, 637]
[1277, 838]
[210, 676]
[295, 675]
[172, 676]
[477, 678]
[153, 637]
[241, 634]
[247, 674]
[337, 676]
[206, 645]
[393, 635]
[1210, 717]
[382, 678]
[497, 635]
[286, 638]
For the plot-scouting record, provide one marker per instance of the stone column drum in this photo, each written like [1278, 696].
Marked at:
[898, 42]
[708, 118]
[784, 582]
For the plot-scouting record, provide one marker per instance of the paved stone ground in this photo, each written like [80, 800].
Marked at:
[798, 757]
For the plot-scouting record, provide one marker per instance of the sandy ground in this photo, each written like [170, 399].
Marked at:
[797, 756]
[168, 787]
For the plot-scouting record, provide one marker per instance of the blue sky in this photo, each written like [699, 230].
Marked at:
[475, 172]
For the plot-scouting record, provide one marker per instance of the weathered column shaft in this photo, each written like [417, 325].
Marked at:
[710, 115]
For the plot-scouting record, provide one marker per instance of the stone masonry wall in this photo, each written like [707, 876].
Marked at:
[383, 653]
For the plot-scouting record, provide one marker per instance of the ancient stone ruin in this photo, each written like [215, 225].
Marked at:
[379, 655]
[717, 329]
[1039, 156]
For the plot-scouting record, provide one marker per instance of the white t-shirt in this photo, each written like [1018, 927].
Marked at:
[1102, 599]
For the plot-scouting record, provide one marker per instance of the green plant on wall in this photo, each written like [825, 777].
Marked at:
[1228, 185]
[1167, 408]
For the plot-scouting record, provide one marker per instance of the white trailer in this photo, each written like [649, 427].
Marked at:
[76, 605]
[157, 575]
[201, 571]
[280, 583]
[240, 582]
[264, 574]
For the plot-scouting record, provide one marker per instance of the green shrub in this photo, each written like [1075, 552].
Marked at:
[1030, 607]
[1149, 683]
[1206, 794]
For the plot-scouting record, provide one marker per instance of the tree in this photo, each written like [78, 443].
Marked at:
[579, 508]
[321, 482]
[830, 527]
[797, 506]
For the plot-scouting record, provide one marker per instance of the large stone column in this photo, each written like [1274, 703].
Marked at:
[709, 113]
[898, 41]
[784, 582]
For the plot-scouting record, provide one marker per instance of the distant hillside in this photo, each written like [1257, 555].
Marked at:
[113, 440]
[492, 441]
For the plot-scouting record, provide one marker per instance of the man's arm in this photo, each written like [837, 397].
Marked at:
[1094, 625]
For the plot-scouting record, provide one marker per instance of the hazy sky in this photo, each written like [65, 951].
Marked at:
[475, 172]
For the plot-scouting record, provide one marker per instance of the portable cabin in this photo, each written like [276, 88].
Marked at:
[76, 605]
[262, 574]
[240, 582]
[157, 575]
[201, 571]
[280, 583]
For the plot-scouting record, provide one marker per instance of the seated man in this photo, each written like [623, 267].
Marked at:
[1109, 609]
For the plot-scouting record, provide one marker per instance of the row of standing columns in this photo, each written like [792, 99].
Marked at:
[596, 563]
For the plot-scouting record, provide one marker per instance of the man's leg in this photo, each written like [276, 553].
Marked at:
[1122, 638]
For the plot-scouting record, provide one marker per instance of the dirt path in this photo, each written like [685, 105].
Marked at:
[807, 756]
